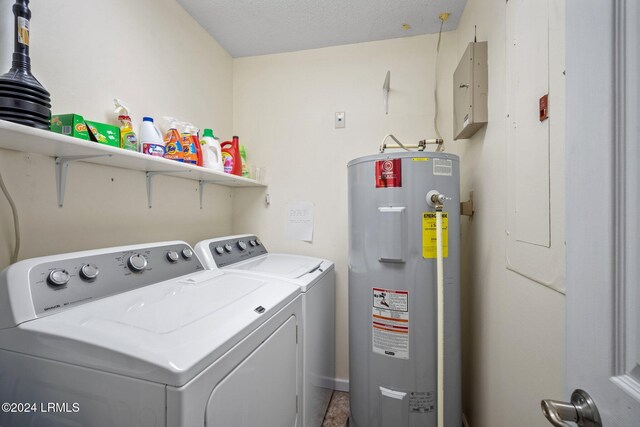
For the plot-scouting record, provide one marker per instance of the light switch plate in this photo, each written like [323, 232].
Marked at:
[340, 119]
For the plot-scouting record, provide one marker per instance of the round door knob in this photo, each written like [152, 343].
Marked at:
[137, 262]
[89, 271]
[187, 253]
[173, 256]
[219, 250]
[242, 245]
[58, 277]
[228, 248]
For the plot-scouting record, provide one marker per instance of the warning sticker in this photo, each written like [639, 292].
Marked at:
[389, 173]
[429, 243]
[420, 159]
[422, 401]
[390, 322]
[443, 167]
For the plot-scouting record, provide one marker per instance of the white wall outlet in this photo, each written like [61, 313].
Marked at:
[340, 119]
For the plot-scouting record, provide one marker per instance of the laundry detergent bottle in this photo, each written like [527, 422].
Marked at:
[190, 143]
[231, 156]
[211, 152]
[172, 141]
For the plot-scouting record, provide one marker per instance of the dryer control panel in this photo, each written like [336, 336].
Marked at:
[63, 281]
[236, 249]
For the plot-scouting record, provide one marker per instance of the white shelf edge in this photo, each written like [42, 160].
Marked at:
[30, 140]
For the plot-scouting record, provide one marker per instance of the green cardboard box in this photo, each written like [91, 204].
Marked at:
[70, 124]
[104, 133]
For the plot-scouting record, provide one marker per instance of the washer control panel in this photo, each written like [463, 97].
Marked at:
[60, 284]
[230, 251]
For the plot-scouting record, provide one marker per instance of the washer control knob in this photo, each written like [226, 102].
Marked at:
[89, 271]
[228, 248]
[137, 263]
[173, 256]
[219, 250]
[252, 242]
[187, 253]
[242, 245]
[58, 277]
[258, 242]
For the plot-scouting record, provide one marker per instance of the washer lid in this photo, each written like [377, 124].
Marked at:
[281, 265]
[166, 332]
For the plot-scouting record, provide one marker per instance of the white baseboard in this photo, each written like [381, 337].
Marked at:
[341, 384]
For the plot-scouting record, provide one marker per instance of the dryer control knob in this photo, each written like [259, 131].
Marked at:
[228, 248]
[252, 242]
[173, 256]
[187, 253]
[219, 250]
[89, 271]
[58, 277]
[137, 263]
[242, 245]
[258, 242]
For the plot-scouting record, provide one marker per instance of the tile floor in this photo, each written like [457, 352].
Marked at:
[338, 411]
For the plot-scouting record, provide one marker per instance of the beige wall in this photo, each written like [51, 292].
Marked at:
[156, 58]
[513, 328]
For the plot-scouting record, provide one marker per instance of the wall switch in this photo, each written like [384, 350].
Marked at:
[340, 120]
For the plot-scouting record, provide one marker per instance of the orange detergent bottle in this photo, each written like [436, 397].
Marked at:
[172, 141]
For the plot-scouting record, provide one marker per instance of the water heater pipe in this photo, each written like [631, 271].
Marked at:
[437, 200]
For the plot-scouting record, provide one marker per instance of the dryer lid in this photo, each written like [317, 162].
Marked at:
[281, 265]
[166, 332]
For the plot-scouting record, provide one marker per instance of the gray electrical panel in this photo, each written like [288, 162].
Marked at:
[470, 83]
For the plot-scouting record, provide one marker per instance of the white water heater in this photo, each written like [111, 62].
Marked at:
[393, 338]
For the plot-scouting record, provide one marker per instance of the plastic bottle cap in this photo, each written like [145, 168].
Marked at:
[208, 132]
[147, 119]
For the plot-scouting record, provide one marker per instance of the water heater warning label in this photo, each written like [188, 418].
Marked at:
[421, 401]
[429, 243]
[389, 173]
[390, 322]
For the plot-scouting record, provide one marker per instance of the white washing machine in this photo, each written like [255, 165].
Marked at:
[145, 336]
[316, 279]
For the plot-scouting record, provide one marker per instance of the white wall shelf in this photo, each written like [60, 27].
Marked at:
[66, 149]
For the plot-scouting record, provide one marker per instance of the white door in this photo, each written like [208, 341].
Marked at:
[602, 209]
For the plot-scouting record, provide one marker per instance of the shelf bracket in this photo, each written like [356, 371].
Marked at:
[201, 184]
[62, 164]
[150, 175]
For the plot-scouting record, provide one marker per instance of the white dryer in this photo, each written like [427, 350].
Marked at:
[145, 336]
[316, 279]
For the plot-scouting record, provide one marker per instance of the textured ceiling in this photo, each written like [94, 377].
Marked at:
[260, 27]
